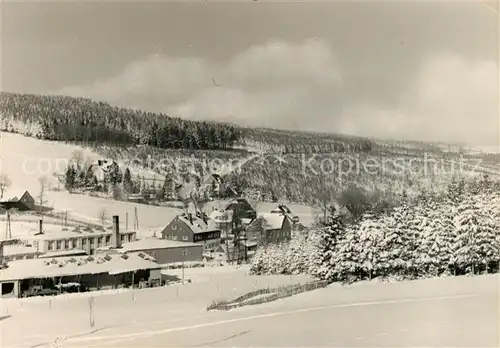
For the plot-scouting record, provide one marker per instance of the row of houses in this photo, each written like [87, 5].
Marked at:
[208, 233]
[188, 237]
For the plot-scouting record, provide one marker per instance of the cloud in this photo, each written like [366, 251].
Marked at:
[299, 86]
[451, 100]
[270, 84]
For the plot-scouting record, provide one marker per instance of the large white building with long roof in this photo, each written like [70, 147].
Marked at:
[76, 239]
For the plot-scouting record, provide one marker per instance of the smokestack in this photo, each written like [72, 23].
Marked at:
[190, 218]
[40, 227]
[205, 218]
[115, 237]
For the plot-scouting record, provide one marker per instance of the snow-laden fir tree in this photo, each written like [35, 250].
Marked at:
[398, 245]
[276, 260]
[325, 247]
[467, 255]
[259, 265]
[370, 237]
[487, 234]
[436, 247]
[346, 263]
[297, 254]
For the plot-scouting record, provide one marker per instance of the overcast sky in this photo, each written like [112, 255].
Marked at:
[405, 70]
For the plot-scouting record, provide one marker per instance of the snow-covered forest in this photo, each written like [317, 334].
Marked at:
[437, 235]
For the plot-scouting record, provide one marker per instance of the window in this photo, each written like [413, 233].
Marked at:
[174, 237]
[58, 245]
[50, 245]
[74, 243]
[99, 242]
[122, 238]
[84, 243]
[66, 244]
[185, 238]
[108, 240]
[91, 241]
[7, 288]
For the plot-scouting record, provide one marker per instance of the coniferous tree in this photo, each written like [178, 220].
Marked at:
[127, 181]
[466, 223]
[487, 234]
[347, 262]
[370, 237]
[70, 178]
[326, 244]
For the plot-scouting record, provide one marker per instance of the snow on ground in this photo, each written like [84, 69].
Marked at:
[50, 317]
[460, 311]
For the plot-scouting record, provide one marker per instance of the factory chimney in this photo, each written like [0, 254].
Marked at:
[1, 255]
[115, 237]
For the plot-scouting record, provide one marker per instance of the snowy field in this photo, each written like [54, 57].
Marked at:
[451, 312]
[67, 315]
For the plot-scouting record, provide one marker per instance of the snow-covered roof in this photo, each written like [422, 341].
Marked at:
[62, 253]
[72, 233]
[246, 221]
[221, 216]
[154, 243]
[198, 225]
[18, 249]
[77, 265]
[272, 221]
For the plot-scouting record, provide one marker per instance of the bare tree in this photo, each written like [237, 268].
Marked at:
[77, 158]
[199, 199]
[5, 183]
[103, 216]
[44, 184]
[325, 198]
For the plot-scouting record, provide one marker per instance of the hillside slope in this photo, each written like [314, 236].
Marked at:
[26, 159]
[289, 166]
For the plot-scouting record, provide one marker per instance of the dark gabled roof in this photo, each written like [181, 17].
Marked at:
[15, 196]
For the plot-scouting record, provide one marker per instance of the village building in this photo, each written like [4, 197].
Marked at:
[165, 251]
[21, 201]
[282, 209]
[25, 277]
[223, 220]
[14, 249]
[241, 209]
[238, 252]
[270, 228]
[78, 239]
[215, 182]
[193, 229]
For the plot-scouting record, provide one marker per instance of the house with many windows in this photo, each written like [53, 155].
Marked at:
[193, 229]
[78, 239]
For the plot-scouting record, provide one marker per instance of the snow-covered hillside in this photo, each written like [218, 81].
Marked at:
[26, 159]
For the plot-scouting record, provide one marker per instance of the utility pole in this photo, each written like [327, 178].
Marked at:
[8, 231]
[136, 219]
[184, 254]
